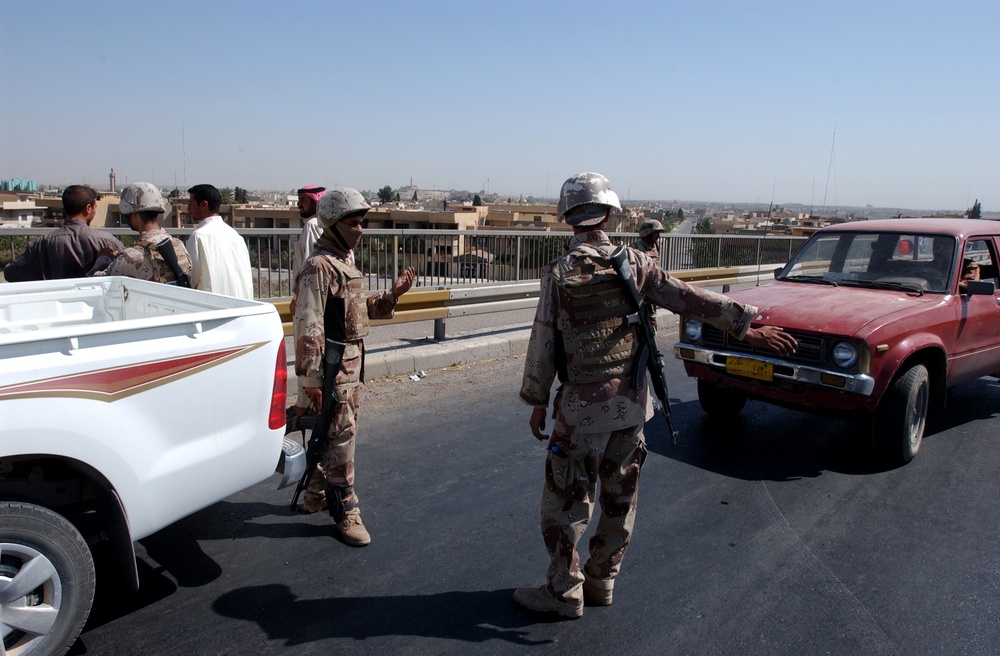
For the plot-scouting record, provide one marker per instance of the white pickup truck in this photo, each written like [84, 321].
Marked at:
[125, 405]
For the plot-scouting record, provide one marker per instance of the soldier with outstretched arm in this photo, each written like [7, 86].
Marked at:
[580, 335]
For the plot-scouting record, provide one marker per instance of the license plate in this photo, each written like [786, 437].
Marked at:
[750, 368]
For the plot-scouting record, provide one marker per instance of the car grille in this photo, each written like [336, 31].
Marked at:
[811, 348]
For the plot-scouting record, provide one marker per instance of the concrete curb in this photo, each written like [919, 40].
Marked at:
[438, 355]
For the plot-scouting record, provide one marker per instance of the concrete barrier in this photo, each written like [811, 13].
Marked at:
[439, 304]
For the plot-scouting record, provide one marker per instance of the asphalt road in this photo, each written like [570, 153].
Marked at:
[778, 535]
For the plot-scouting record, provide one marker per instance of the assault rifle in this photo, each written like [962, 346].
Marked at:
[649, 358]
[166, 250]
[319, 422]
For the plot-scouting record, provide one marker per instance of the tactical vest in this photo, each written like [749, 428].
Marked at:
[596, 343]
[161, 270]
[349, 320]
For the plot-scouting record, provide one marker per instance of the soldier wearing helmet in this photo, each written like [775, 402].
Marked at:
[649, 236]
[331, 304]
[70, 250]
[142, 204]
[598, 416]
[650, 232]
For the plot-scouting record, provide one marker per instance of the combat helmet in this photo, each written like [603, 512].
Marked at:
[649, 227]
[339, 203]
[591, 192]
[141, 197]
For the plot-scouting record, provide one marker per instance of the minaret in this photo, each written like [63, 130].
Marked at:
[111, 178]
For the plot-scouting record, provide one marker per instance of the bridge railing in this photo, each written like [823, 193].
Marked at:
[457, 258]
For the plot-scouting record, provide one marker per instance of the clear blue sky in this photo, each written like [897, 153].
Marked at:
[698, 100]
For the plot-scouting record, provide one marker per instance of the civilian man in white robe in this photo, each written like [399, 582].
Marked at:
[219, 256]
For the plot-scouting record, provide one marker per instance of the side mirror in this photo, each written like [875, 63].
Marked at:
[777, 272]
[980, 288]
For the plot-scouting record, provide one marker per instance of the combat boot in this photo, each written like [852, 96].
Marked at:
[312, 503]
[541, 600]
[597, 591]
[351, 530]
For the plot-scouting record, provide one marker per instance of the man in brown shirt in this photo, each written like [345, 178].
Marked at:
[69, 251]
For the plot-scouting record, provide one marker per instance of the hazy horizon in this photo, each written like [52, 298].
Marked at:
[723, 100]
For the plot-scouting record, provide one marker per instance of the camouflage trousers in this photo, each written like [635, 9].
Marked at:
[576, 461]
[315, 494]
[337, 465]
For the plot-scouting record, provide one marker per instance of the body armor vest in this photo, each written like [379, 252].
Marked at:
[350, 312]
[596, 343]
[161, 270]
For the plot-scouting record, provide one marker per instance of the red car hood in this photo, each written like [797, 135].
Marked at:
[825, 309]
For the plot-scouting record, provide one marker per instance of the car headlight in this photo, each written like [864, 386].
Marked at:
[692, 330]
[845, 354]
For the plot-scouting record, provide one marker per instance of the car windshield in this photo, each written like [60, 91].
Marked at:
[882, 260]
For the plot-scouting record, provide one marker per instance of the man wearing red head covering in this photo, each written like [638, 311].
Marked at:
[309, 196]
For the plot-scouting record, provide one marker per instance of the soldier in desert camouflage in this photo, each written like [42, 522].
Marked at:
[579, 335]
[142, 204]
[329, 278]
[650, 232]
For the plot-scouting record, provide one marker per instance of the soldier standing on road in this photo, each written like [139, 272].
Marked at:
[331, 304]
[579, 335]
[142, 203]
[649, 237]
[650, 232]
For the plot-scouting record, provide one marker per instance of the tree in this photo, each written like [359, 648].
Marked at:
[976, 211]
[227, 195]
[175, 193]
[396, 197]
[240, 195]
[680, 214]
[414, 195]
[385, 194]
[477, 201]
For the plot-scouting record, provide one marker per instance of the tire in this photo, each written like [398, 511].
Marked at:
[45, 566]
[718, 401]
[901, 418]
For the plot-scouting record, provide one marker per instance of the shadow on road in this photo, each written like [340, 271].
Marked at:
[770, 443]
[467, 616]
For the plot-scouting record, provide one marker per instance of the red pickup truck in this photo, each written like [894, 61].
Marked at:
[887, 314]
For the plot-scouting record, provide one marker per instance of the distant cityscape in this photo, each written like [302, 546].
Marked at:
[26, 203]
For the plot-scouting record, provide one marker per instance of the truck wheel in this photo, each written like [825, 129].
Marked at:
[718, 401]
[47, 580]
[901, 417]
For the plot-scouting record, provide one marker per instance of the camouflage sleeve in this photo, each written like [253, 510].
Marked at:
[540, 359]
[128, 263]
[381, 305]
[315, 283]
[679, 297]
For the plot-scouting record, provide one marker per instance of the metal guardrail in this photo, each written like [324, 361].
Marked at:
[439, 305]
[454, 258]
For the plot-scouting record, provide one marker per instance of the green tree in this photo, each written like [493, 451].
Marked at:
[175, 193]
[477, 201]
[227, 195]
[976, 211]
[240, 195]
[414, 195]
[396, 197]
[680, 214]
[385, 194]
